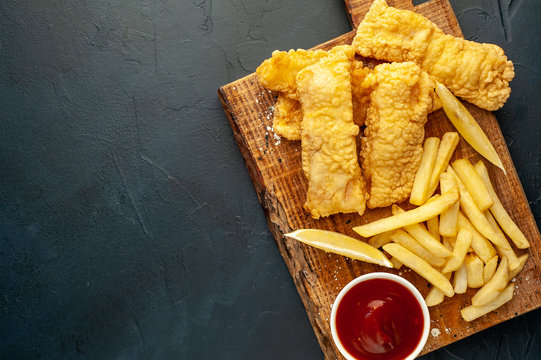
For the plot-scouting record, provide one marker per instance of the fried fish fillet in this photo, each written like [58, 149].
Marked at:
[401, 99]
[360, 94]
[287, 117]
[478, 73]
[279, 72]
[329, 151]
[288, 114]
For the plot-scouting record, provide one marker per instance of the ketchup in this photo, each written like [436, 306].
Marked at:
[379, 319]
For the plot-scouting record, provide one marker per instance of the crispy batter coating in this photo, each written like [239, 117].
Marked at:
[478, 73]
[329, 151]
[288, 114]
[287, 117]
[279, 72]
[391, 151]
[361, 95]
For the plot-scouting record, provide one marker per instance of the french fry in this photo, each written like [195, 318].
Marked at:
[417, 215]
[435, 296]
[433, 225]
[490, 269]
[502, 217]
[477, 217]
[474, 267]
[396, 263]
[449, 218]
[482, 247]
[471, 312]
[460, 281]
[406, 240]
[379, 240]
[421, 267]
[462, 244]
[449, 242]
[448, 144]
[473, 182]
[492, 288]
[507, 252]
[521, 263]
[423, 237]
[422, 177]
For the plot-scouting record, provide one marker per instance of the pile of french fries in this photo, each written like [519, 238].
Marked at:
[463, 243]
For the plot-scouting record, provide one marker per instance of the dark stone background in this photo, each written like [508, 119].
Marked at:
[129, 228]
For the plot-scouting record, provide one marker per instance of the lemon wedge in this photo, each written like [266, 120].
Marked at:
[467, 126]
[341, 244]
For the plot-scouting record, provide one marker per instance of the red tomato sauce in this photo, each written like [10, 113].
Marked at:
[379, 319]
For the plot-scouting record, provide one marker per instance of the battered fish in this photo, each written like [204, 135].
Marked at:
[401, 99]
[288, 114]
[279, 72]
[287, 117]
[329, 152]
[478, 73]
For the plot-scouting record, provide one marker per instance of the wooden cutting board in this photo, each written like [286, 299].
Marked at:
[275, 168]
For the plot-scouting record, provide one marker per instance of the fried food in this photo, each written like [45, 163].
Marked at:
[462, 244]
[421, 267]
[329, 151]
[287, 117]
[361, 94]
[287, 111]
[279, 72]
[503, 218]
[478, 73]
[422, 176]
[472, 312]
[414, 216]
[401, 98]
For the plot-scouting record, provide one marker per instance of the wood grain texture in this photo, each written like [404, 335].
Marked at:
[275, 168]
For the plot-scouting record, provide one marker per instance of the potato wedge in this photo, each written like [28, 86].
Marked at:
[422, 176]
[462, 244]
[421, 267]
[460, 280]
[448, 144]
[473, 182]
[449, 218]
[417, 215]
[471, 312]
[423, 237]
[482, 247]
[499, 212]
[474, 267]
[492, 288]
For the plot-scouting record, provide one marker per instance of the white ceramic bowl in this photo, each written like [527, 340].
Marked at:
[388, 276]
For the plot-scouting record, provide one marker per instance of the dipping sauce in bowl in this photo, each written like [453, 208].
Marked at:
[379, 316]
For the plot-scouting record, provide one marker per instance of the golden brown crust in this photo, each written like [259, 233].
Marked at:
[329, 151]
[392, 142]
[478, 73]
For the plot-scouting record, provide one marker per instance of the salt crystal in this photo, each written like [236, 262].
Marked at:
[435, 332]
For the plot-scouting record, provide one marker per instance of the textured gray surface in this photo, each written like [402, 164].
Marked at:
[129, 228]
